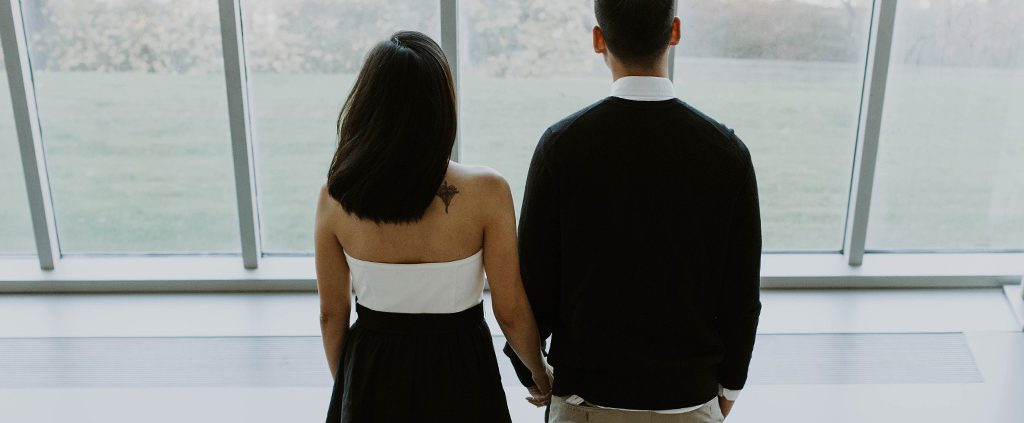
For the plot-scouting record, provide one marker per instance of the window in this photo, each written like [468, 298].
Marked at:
[15, 224]
[516, 82]
[303, 56]
[133, 114]
[786, 75]
[950, 171]
[951, 156]
[132, 106]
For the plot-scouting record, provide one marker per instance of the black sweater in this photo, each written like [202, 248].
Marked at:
[640, 247]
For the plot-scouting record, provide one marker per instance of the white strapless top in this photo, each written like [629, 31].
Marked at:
[448, 287]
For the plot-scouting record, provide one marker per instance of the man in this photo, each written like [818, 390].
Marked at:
[640, 242]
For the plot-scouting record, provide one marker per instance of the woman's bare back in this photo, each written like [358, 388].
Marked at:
[451, 229]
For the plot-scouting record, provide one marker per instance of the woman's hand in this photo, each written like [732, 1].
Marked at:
[540, 392]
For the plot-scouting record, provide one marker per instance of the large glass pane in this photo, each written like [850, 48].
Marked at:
[15, 224]
[134, 118]
[951, 161]
[525, 66]
[303, 56]
[786, 75]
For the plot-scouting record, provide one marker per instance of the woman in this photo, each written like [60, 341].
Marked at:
[413, 233]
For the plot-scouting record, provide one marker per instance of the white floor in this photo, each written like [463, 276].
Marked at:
[992, 331]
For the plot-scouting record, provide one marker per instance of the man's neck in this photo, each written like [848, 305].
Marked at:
[622, 72]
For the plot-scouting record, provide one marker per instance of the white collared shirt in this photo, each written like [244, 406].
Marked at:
[644, 88]
[651, 88]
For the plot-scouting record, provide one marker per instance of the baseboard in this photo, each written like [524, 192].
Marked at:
[1015, 295]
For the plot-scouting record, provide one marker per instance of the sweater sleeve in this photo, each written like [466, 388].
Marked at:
[539, 248]
[739, 303]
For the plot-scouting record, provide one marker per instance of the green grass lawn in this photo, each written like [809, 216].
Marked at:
[142, 162]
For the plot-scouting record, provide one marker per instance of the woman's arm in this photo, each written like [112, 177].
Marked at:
[332, 281]
[508, 298]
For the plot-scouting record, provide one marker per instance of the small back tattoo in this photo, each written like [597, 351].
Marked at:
[447, 193]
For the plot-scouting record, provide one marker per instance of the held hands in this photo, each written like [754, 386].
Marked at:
[540, 392]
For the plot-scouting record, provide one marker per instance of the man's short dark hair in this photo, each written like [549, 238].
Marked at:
[636, 31]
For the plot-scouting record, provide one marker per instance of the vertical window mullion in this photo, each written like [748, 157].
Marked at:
[450, 45]
[672, 49]
[236, 79]
[869, 130]
[26, 118]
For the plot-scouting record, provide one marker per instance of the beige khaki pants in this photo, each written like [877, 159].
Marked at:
[563, 412]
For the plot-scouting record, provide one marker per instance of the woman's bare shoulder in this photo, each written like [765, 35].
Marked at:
[325, 202]
[482, 179]
[487, 192]
[329, 212]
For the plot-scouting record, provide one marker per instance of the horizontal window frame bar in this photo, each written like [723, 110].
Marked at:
[309, 254]
[945, 251]
[923, 251]
[296, 274]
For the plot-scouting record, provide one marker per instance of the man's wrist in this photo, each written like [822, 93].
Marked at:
[729, 394]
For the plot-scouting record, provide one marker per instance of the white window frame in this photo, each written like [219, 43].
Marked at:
[49, 271]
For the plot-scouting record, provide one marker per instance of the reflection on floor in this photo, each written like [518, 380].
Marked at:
[882, 355]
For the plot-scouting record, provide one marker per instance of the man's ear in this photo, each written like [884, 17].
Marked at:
[599, 45]
[676, 24]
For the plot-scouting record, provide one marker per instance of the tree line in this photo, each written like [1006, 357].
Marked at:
[513, 38]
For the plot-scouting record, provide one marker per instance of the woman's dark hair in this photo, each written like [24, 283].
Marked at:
[395, 132]
[636, 31]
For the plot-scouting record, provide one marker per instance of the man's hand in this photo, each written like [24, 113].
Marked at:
[540, 392]
[725, 405]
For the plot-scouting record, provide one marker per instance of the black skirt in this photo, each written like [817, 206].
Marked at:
[399, 367]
